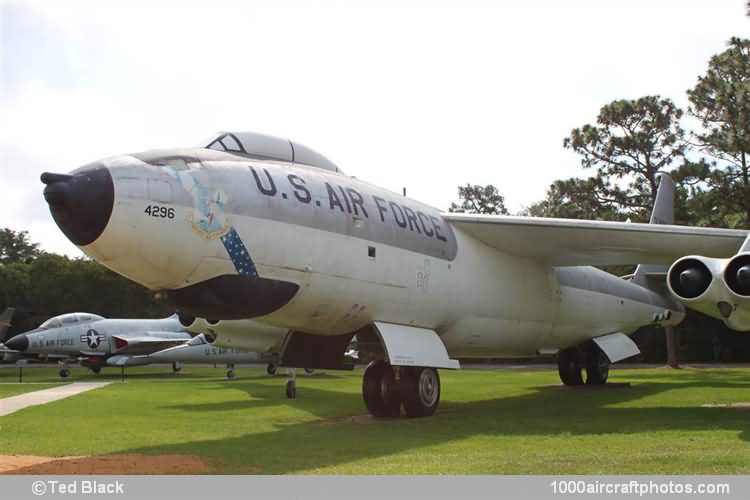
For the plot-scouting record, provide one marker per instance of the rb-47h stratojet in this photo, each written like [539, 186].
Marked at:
[249, 226]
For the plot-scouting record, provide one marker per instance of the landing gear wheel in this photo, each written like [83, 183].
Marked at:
[570, 365]
[176, 367]
[420, 391]
[597, 365]
[64, 373]
[380, 390]
[230, 374]
[96, 369]
[271, 369]
[309, 371]
[291, 389]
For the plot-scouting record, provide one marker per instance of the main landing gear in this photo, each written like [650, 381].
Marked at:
[587, 358]
[230, 372]
[386, 388]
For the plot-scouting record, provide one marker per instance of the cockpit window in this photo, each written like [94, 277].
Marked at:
[89, 317]
[266, 147]
[69, 319]
[51, 323]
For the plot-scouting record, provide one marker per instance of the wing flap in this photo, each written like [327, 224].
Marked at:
[568, 242]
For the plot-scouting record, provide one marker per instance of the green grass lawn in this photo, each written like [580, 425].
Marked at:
[14, 388]
[489, 422]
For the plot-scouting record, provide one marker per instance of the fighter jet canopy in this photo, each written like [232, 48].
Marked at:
[267, 147]
[69, 319]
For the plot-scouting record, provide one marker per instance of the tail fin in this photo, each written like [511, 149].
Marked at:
[650, 275]
[5, 319]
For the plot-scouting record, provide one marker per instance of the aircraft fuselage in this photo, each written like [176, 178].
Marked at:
[307, 249]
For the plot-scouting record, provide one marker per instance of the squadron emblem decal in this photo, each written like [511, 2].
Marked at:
[92, 338]
[209, 219]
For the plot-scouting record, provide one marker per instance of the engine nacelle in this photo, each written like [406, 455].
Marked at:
[719, 288]
[243, 334]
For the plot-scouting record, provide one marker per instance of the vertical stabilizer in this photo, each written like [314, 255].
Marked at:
[663, 213]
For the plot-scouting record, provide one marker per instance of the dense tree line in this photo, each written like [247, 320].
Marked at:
[40, 285]
[633, 142]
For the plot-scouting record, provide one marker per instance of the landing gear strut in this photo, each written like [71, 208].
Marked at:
[589, 358]
[291, 384]
[176, 367]
[385, 388]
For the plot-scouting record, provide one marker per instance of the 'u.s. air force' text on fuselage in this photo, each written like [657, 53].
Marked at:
[323, 200]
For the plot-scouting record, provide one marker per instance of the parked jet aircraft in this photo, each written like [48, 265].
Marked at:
[95, 342]
[199, 350]
[251, 226]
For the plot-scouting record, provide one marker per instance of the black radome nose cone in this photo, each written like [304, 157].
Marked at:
[18, 343]
[81, 204]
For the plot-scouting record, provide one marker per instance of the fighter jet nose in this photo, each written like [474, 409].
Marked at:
[18, 343]
[81, 204]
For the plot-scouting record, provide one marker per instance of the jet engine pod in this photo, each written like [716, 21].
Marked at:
[737, 275]
[689, 278]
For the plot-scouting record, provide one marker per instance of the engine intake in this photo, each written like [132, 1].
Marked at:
[689, 278]
[737, 275]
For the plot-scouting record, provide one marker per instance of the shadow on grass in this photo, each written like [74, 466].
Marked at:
[338, 437]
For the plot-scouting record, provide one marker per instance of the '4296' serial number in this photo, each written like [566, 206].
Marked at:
[160, 211]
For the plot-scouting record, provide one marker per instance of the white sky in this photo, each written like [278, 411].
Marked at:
[427, 95]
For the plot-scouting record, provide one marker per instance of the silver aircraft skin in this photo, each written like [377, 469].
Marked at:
[252, 227]
[96, 342]
[200, 351]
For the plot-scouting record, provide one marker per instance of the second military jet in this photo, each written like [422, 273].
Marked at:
[94, 341]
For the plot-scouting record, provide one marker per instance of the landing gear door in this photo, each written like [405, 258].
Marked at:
[412, 346]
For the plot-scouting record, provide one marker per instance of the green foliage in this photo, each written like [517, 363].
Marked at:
[52, 284]
[632, 141]
[721, 101]
[15, 246]
[576, 199]
[477, 199]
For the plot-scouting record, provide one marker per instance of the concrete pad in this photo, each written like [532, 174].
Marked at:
[14, 403]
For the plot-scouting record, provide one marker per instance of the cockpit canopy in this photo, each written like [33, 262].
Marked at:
[69, 319]
[267, 147]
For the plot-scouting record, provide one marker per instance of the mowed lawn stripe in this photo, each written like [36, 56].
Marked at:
[489, 422]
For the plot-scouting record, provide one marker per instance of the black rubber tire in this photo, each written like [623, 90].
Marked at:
[371, 389]
[380, 390]
[420, 391]
[309, 371]
[291, 389]
[64, 373]
[231, 375]
[96, 369]
[597, 365]
[570, 366]
[271, 369]
[390, 392]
